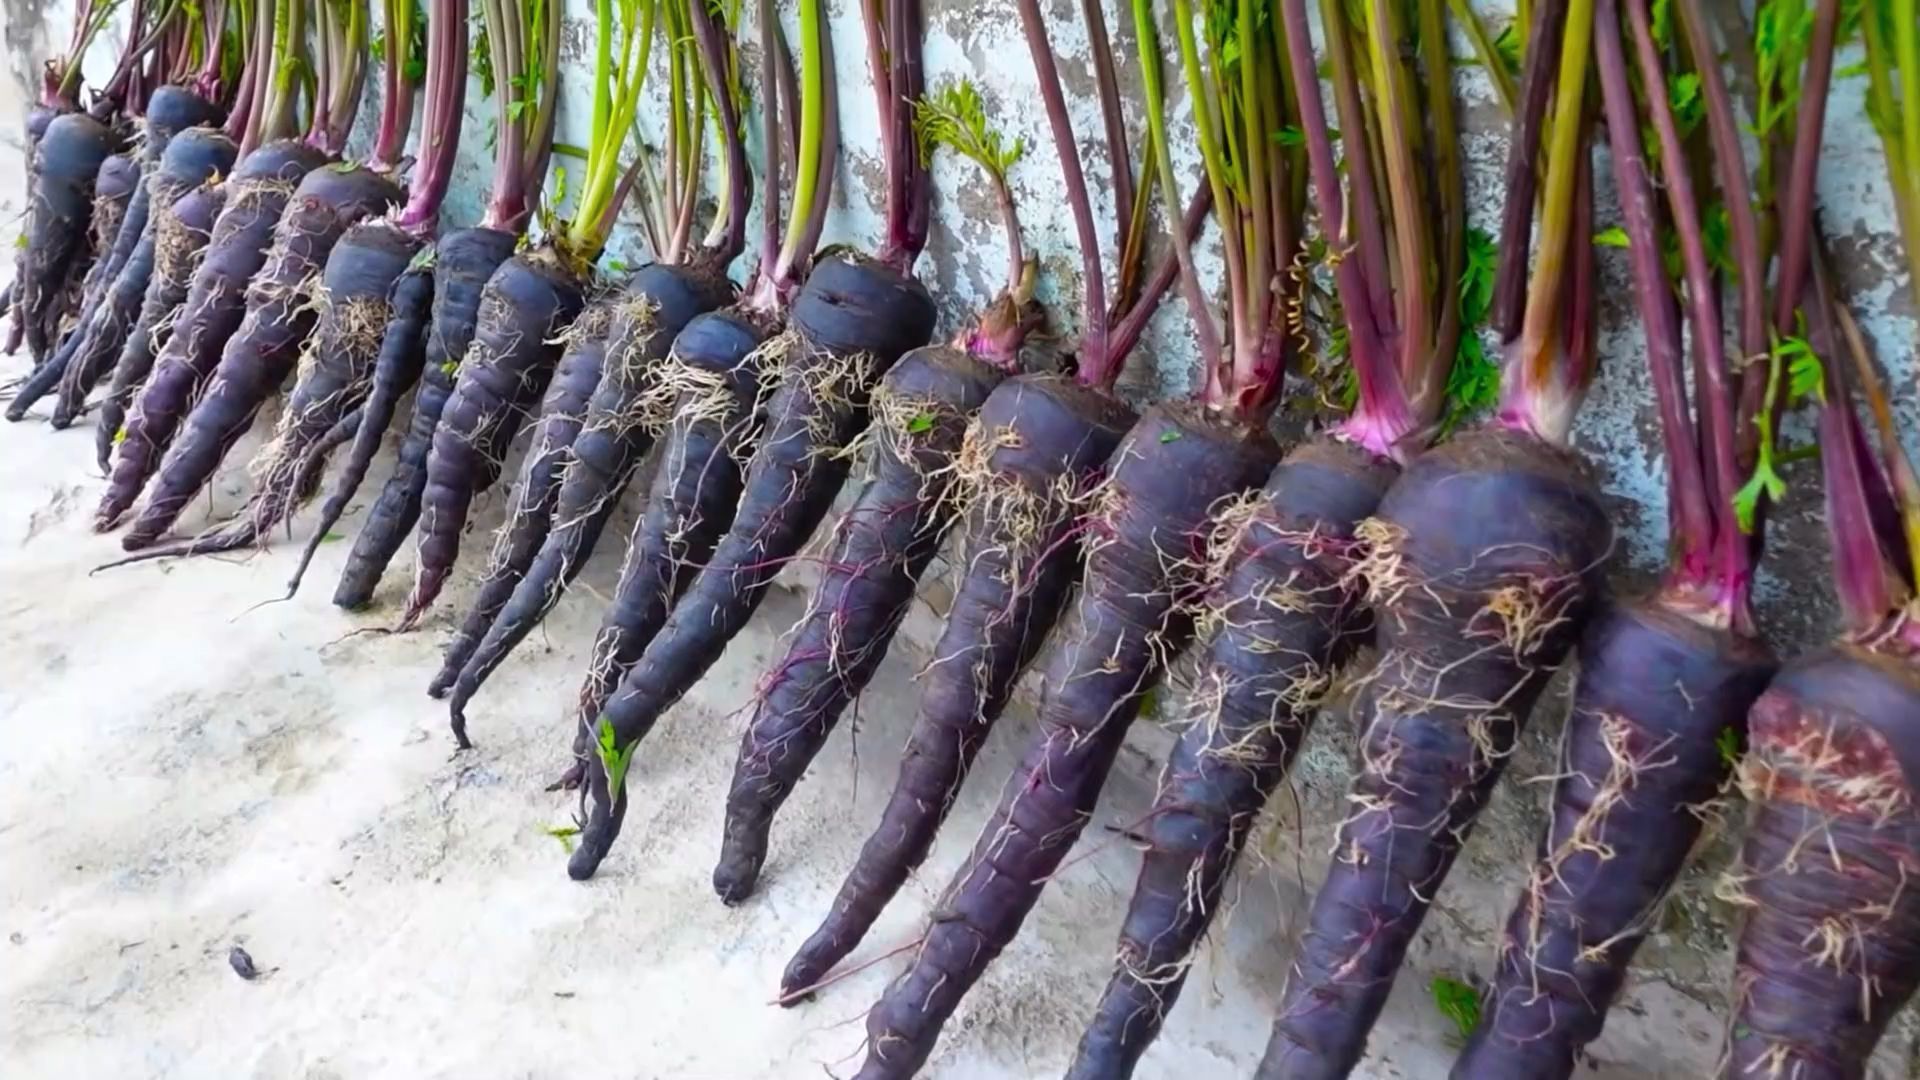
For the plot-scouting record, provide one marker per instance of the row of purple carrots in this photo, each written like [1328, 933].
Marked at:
[179, 269]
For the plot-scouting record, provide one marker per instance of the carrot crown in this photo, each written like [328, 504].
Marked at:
[148, 31]
[445, 76]
[1397, 261]
[402, 47]
[1241, 101]
[275, 73]
[1708, 555]
[213, 63]
[1113, 319]
[522, 44]
[60, 82]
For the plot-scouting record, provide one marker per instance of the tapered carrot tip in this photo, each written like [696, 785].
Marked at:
[739, 866]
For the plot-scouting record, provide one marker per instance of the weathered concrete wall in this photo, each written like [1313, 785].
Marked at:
[1669, 1024]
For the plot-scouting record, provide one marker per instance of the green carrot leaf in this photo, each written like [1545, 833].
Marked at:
[1477, 277]
[1473, 383]
[954, 116]
[1764, 482]
[1458, 1002]
[920, 424]
[1728, 743]
[1614, 237]
[480, 55]
[1806, 376]
[1683, 97]
[612, 758]
[1509, 45]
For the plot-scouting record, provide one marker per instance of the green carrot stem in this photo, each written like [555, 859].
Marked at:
[1097, 365]
[1428, 379]
[620, 85]
[1522, 176]
[1228, 201]
[1366, 221]
[280, 79]
[1536, 396]
[507, 201]
[1382, 402]
[1490, 59]
[1868, 587]
[720, 64]
[1413, 286]
[1106, 83]
[1796, 234]
[446, 81]
[1690, 519]
[1906, 43]
[811, 180]
[1207, 333]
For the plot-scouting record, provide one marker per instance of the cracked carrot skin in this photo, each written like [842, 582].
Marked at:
[1831, 947]
[1486, 558]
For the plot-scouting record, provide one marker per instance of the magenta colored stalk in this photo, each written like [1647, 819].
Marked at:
[1382, 407]
[1691, 522]
[440, 121]
[1720, 473]
[713, 56]
[1098, 362]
